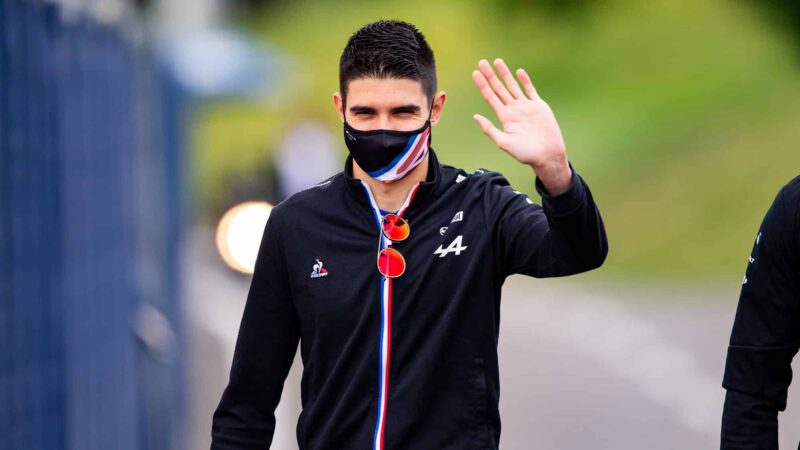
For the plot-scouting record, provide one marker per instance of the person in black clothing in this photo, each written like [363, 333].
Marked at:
[766, 330]
[389, 273]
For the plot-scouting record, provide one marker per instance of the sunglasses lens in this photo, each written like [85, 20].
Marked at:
[391, 263]
[395, 227]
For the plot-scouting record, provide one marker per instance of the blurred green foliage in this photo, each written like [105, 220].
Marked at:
[683, 117]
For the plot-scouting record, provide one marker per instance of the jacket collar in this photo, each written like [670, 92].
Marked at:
[426, 187]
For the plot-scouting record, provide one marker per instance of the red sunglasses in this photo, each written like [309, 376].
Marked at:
[390, 262]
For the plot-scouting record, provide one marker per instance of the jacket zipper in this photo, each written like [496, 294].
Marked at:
[384, 349]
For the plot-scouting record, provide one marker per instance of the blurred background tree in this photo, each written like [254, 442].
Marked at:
[785, 14]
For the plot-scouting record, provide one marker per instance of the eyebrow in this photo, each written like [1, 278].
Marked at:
[412, 108]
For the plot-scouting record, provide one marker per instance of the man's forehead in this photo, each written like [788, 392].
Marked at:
[385, 92]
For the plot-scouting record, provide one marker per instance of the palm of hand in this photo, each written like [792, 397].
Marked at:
[529, 132]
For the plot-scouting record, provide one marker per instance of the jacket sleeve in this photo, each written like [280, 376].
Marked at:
[563, 236]
[265, 349]
[765, 335]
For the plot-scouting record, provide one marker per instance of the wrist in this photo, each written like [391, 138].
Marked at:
[556, 175]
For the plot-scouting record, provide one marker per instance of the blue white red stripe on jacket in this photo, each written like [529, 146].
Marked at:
[386, 319]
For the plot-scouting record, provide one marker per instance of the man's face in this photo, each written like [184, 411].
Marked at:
[387, 103]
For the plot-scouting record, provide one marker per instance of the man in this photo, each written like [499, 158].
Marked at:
[389, 273]
[766, 331]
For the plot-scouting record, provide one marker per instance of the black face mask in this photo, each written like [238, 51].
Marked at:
[388, 155]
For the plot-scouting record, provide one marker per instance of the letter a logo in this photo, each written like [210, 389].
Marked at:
[454, 247]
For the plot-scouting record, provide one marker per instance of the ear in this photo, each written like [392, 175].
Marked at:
[339, 105]
[438, 105]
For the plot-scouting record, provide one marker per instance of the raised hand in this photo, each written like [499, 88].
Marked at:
[530, 132]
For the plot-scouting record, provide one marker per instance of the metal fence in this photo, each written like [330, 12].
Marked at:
[90, 225]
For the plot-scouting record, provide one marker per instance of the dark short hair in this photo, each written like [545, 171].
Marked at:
[388, 49]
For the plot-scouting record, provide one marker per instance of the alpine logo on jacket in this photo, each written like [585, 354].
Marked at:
[455, 247]
[318, 270]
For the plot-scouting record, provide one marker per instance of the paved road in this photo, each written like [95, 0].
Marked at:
[581, 366]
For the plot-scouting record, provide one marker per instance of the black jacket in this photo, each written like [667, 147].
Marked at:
[766, 331]
[405, 363]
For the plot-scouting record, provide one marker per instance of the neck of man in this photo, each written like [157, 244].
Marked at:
[390, 196]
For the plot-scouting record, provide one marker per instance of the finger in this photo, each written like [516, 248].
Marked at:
[490, 130]
[527, 84]
[494, 82]
[508, 79]
[486, 91]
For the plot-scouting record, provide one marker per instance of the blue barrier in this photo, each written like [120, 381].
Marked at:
[90, 225]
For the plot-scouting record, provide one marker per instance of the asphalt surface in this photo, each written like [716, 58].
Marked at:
[581, 366]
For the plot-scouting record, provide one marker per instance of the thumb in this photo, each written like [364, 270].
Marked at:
[489, 129]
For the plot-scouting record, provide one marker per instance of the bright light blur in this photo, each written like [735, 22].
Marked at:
[239, 234]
